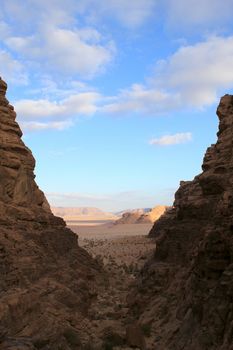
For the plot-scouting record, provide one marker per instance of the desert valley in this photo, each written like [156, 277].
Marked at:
[116, 175]
[160, 279]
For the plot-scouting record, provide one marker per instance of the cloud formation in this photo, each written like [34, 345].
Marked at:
[168, 140]
[38, 126]
[63, 49]
[198, 14]
[193, 76]
[83, 103]
[141, 100]
[197, 72]
[53, 39]
[129, 13]
[12, 70]
[77, 51]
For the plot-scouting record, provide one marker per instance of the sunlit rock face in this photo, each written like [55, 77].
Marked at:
[46, 279]
[187, 287]
[17, 184]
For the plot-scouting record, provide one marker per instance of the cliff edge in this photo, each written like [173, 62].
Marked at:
[186, 290]
[46, 279]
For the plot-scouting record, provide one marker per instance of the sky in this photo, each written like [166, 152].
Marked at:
[116, 98]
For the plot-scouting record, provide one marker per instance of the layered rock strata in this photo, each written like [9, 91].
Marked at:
[46, 279]
[186, 290]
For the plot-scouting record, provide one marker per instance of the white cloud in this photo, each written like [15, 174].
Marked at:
[175, 139]
[198, 14]
[141, 99]
[56, 12]
[50, 89]
[68, 50]
[80, 104]
[76, 51]
[193, 76]
[57, 49]
[198, 72]
[207, 14]
[53, 40]
[4, 30]
[38, 126]
[179, 13]
[46, 114]
[128, 13]
[12, 70]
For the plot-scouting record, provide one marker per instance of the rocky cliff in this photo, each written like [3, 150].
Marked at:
[141, 217]
[128, 218]
[153, 215]
[46, 279]
[186, 290]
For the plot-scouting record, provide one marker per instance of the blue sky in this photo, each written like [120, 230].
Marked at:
[116, 99]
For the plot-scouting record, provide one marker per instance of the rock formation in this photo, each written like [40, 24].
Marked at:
[141, 217]
[152, 215]
[128, 218]
[46, 279]
[186, 290]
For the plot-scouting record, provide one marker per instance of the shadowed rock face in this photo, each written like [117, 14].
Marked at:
[187, 288]
[46, 279]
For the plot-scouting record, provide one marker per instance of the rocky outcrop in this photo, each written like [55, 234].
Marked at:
[153, 215]
[128, 218]
[141, 217]
[46, 279]
[186, 290]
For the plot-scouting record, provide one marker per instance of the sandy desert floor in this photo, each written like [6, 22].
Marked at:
[111, 231]
[122, 250]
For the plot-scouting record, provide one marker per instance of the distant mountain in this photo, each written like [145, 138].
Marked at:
[128, 218]
[137, 211]
[140, 216]
[82, 214]
[62, 211]
[153, 215]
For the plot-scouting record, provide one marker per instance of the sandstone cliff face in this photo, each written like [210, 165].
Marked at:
[187, 288]
[128, 218]
[140, 217]
[46, 279]
[153, 215]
